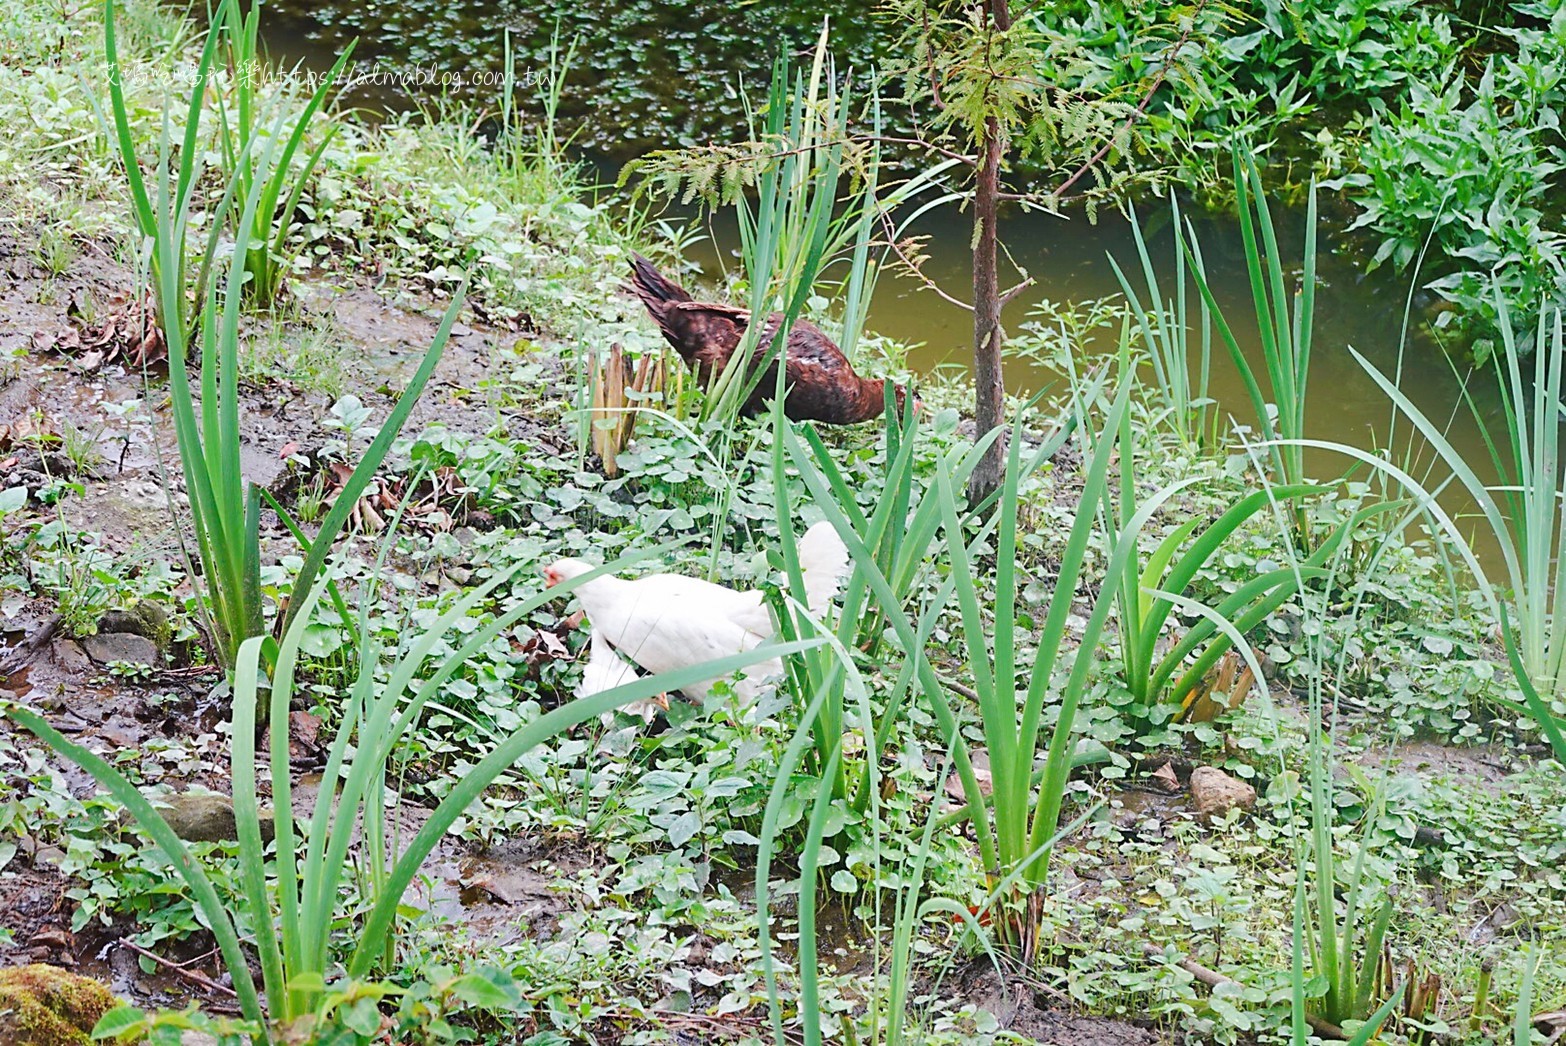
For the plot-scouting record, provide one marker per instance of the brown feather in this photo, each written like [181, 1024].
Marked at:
[822, 384]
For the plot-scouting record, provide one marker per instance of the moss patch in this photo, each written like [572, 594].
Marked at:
[44, 1005]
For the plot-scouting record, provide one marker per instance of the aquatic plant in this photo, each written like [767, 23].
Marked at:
[1469, 159]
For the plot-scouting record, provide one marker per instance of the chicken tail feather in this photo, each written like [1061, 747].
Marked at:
[823, 558]
[655, 289]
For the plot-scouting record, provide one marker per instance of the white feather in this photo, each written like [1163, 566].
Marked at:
[665, 622]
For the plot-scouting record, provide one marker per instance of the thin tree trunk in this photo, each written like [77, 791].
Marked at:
[988, 338]
[989, 388]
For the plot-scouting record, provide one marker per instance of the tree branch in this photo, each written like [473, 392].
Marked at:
[1212, 979]
[923, 143]
[1006, 296]
[915, 267]
[1141, 109]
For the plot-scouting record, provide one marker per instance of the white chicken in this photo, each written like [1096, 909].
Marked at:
[665, 622]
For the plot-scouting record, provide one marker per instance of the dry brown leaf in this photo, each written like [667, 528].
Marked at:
[1164, 778]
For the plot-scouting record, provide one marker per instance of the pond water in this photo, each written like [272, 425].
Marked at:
[649, 75]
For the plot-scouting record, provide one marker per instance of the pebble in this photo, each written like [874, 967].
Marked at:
[1214, 793]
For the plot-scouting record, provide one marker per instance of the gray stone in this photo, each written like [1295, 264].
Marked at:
[144, 619]
[1214, 793]
[70, 657]
[198, 818]
[108, 647]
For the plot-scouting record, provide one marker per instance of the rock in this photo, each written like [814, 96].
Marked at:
[48, 703]
[1214, 793]
[44, 1005]
[202, 818]
[70, 657]
[108, 647]
[144, 619]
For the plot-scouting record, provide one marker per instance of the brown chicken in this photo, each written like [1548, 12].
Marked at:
[821, 382]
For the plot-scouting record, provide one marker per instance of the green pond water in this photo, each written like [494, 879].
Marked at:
[651, 75]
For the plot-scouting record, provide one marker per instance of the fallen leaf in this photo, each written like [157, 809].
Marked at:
[304, 732]
[980, 760]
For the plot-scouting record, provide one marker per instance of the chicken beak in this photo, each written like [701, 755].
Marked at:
[662, 701]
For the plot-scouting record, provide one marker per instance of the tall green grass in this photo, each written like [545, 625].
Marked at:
[1343, 916]
[1154, 671]
[225, 509]
[889, 549]
[1182, 374]
[1524, 514]
[281, 182]
[161, 214]
[1284, 333]
[784, 232]
[1015, 823]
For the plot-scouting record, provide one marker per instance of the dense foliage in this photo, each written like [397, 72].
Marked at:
[968, 772]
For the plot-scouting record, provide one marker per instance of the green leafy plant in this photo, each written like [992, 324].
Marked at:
[888, 1016]
[1470, 157]
[224, 508]
[1346, 938]
[162, 217]
[130, 671]
[1352, 912]
[1340, 921]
